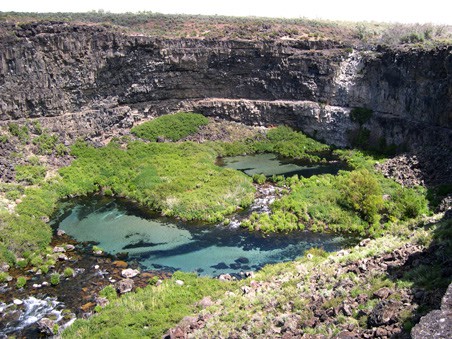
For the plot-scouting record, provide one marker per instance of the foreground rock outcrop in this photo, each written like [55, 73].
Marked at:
[438, 323]
[82, 80]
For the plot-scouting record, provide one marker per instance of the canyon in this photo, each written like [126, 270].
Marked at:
[88, 80]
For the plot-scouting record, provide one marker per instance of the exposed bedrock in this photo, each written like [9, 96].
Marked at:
[85, 80]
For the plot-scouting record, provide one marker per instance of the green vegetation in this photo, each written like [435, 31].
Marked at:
[19, 131]
[30, 174]
[281, 140]
[150, 311]
[108, 292]
[21, 282]
[55, 278]
[68, 272]
[254, 28]
[350, 202]
[173, 127]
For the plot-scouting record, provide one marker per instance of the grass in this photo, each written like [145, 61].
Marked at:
[172, 127]
[150, 311]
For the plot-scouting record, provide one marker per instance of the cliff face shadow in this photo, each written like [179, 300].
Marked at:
[428, 272]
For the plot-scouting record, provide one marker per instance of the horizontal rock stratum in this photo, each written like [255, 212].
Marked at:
[85, 79]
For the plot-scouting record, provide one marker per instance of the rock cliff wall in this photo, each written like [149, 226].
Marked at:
[90, 79]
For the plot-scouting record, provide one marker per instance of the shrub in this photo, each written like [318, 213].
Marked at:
[18, 131]
[68, 272]
[173, 127]
[4, 276]
[362, 192]
[21, 282]
[46, 143]
[108, 292]
[259, 178]
[55, 278]
[30, 174]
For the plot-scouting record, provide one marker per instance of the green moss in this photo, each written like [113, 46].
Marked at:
[55, 278]
[173, 127]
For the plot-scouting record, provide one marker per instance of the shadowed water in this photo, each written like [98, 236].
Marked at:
[164, 244]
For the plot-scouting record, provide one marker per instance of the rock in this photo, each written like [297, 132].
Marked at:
[385, 312]
[58, 249]
[17, 302]
[120, 264]
[60, 233]
[346, 335]
[177, 333]
[37, 285]
[364, 242]
[205, 302]
[86, 307]
[227, 277]
[102, 302]
[62, 257]
[179, 282]
[129, 273]
[46, 326]
[159, 282]
[347, 310]
[70, 247]
[18, 201]
[96, 267]
[124, 286]
[437, 323]
[249, 274]
[310, 256]
[4, 268]
[383, 293]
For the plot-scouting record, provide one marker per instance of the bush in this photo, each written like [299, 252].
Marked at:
[108, 292]
[46, 143]
[259, 178]
[362, 192]
[30, 174]
[55, 278]
[18, 131]
[173, 127]
[68, 272]
[21, 282]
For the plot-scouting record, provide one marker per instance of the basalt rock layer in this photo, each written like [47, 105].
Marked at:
[82, 80]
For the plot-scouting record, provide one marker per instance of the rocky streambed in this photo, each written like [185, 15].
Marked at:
[45, 308]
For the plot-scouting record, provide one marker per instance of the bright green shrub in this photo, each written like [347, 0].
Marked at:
[55, 278]
[46, 143]
[30, 174]
[173, 127]
[21, 282]
[362, 192]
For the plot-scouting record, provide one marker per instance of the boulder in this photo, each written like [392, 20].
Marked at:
[124, 285]
[383, 293]
[46, 326]
[438, 323]
[385, 312]
[120, 264]
[129, 273]
[58, 249]
[179, 282]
